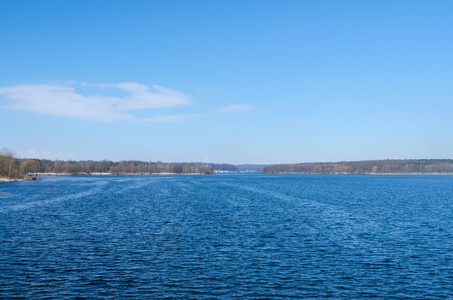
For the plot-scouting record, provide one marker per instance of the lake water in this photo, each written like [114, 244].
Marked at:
[240, 236]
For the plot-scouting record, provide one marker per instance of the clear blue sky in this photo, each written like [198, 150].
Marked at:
[227, 81]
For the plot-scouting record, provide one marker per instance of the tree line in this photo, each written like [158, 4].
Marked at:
[123, 167]
[12, 167]
[415, 166]
[9, 165]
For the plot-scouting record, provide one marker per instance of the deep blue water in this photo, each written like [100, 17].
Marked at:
[227, 236]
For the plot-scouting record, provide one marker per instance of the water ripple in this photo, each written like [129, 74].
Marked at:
[228, 236]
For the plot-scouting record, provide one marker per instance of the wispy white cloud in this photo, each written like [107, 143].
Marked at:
[235, 108]
[172, 118]
[67, 102]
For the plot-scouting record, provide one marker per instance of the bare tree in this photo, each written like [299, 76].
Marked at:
[32, 166]
[6, 161]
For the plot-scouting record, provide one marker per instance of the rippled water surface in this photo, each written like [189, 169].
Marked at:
[227, 236]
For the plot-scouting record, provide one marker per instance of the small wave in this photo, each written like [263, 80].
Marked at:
[28, 205]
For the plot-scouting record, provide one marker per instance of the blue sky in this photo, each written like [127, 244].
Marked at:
[227, 81]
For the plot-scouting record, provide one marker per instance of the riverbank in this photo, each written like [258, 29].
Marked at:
[8, 180]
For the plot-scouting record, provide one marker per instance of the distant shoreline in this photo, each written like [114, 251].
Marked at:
[371, 167]
[299, 173]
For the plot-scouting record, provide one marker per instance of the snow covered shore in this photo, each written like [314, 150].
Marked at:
[6, 180]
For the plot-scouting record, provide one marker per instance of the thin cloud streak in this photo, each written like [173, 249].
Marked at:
[171, 118]
[235, 108]
[66, 102]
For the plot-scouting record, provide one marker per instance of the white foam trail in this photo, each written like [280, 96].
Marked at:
[137, 184]
[28, 205]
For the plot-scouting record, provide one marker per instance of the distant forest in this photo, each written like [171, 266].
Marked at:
[128, 167]
[249, 167]
[12, 167]
[417, 166]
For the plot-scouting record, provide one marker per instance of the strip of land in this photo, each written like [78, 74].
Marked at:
[389, 166]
